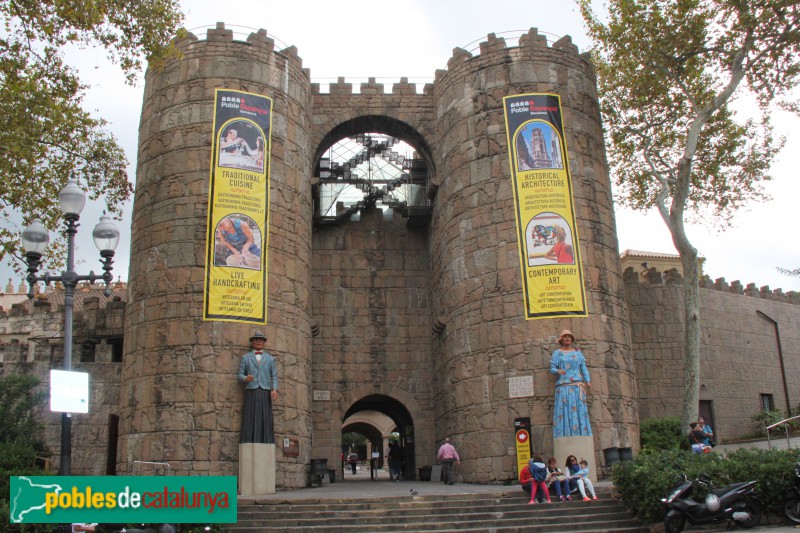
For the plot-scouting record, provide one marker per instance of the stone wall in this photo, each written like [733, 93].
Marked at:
[98, 321]
[739, 358]
[372, 303]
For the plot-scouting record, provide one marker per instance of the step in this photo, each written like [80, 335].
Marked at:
[439, 513]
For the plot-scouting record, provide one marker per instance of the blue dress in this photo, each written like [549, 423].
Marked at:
[570, 414]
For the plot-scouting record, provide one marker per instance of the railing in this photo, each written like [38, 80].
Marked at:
[785, 424]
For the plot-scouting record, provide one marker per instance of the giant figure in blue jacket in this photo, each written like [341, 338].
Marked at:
[259, 374]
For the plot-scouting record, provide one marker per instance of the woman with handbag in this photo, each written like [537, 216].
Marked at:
[557, 480]
[696, 437]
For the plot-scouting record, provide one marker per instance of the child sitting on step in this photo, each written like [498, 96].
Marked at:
[539, 475]
[584, 482]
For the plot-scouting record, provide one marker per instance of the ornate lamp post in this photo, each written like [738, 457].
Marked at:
[35, 240]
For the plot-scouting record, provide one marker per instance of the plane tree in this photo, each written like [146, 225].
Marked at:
[46, 133]
[668, 72]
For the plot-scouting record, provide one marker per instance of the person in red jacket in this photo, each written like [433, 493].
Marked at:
[526, 479]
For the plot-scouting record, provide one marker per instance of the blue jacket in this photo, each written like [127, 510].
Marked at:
[265, 373]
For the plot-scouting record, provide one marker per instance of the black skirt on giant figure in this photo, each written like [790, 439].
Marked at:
[257, 417]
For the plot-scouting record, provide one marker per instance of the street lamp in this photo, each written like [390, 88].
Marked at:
[35, 240]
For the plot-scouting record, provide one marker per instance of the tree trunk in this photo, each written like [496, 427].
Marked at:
[691, 296]
[691, 306]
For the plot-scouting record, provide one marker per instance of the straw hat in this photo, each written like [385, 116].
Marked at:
[564, 333]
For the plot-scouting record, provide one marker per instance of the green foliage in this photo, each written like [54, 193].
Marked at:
[351, 441]
[19, 441]
[763, 419]
[646, 479]
[45, 133]
[662, 434]
[17, 400]
[667, 72]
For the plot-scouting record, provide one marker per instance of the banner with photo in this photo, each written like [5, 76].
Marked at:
[238, 209]
[547, 231]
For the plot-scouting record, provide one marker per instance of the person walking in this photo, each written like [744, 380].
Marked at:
[353, 460]
[448, 455]
[395, 459]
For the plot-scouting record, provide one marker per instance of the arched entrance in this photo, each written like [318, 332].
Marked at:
[371, 306]
[357, 419]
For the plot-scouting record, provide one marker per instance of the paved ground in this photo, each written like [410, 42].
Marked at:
[361, 485]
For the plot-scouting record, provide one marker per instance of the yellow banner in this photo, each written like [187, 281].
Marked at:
[238, 209]
[547, 231]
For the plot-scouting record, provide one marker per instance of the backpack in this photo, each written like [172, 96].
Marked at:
[539, 473]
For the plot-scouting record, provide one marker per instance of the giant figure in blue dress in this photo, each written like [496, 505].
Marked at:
[570, 414]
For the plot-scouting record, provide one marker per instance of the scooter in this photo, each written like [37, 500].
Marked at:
[734, 504]
[792, 506]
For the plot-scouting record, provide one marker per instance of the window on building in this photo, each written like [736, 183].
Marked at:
[767, 402]
[116, 350]
[56, 353]
[87, 352]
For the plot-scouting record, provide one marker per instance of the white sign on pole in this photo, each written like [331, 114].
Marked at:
[69, 391]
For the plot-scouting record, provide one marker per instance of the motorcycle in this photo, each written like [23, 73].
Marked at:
[792, 506]
[735, 504]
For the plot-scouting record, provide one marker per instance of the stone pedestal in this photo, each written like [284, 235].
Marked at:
[256, 469]
[580, 447]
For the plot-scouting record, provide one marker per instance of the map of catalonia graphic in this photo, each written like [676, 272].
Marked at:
[29, 498]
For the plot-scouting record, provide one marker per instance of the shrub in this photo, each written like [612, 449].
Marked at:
[763, 419]
[646, 479]
[662, 434]
[17, 400]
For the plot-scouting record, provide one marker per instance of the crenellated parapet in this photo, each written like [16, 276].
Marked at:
[653, 278]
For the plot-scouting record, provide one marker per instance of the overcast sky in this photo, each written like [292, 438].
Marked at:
[412, 38]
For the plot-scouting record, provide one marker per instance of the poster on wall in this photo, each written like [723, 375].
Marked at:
[547, 232]
[237, 233]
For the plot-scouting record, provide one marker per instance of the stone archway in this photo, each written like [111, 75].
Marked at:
[401, 420]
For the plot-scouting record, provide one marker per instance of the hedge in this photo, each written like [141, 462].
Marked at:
[643, 481]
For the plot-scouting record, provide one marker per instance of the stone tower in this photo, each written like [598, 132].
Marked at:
[476, 282]
[181, 401]
[423, 324]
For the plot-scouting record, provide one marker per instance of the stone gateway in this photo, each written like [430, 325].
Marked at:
[412, 311]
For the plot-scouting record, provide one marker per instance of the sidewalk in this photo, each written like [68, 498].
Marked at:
[777, 442]
[361, 486]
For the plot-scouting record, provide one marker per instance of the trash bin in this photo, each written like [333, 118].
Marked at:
[611, 456]
[319, 469]
[625, 454]
[332, 475]
[425, 473]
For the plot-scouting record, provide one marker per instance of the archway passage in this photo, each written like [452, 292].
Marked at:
[376, 430]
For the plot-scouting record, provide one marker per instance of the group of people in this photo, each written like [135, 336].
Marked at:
[538, 479]
[701, 436]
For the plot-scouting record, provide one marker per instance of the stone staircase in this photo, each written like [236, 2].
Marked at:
[500, 512]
